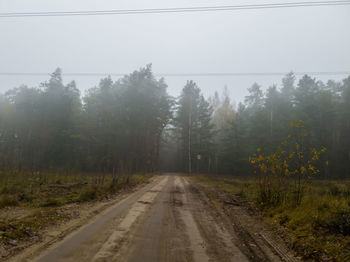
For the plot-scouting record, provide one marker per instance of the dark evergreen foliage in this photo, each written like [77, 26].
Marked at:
[264, 122]
[117, 129]
[125, 126]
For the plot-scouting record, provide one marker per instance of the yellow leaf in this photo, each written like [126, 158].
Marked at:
[300, 123]
[326, 163]
[311, 168]
[292, 123]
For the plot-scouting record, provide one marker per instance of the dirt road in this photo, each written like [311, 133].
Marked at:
[167, 220]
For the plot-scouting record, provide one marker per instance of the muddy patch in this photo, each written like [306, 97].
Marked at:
[252, 237]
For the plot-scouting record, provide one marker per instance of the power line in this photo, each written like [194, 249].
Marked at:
[183, 74]
[174, 9]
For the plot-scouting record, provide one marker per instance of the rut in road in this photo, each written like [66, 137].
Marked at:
[88, 240]
[164, 221]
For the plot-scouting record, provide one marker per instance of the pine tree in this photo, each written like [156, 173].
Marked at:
[194, 128]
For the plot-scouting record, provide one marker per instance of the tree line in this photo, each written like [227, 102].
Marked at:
[264, 121]
[223, 136]
[133, 125]
[116, 127]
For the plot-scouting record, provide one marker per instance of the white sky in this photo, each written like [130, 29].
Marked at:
[278, 40]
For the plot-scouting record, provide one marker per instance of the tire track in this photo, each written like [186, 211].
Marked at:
[220, 244]
[109, 250]
[197, 243]
[169, 220]
[84, 243]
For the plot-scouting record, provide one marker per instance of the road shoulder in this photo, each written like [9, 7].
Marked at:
[84, 213]
[254, 238]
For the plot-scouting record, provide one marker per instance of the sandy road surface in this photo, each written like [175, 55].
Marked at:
[164, 221]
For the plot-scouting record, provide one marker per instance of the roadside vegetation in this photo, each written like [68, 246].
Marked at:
[30, 202]
[318, 228]
[312, 214]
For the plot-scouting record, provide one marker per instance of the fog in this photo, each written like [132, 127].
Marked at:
[240, 153]
[272, 40]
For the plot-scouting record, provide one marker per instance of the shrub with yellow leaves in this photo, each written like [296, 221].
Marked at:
[287, 172]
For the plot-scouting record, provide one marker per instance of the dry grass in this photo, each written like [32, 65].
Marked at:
[318, 229]
[30, 202]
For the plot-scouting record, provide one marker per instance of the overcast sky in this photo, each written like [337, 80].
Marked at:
[278, 40]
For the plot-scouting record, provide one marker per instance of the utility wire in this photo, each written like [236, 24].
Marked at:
[184, 74]
[175, 9]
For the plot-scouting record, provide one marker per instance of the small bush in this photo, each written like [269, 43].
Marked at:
[334, 190]
[9, 189]
[284, 219]
[51, 202]
[87, 194]
[112, 186]
[323, 206]
[270, 197]
[70, 197]
[7, 200]
[346, 192]
[25, 197]
[289, 169]
[337, 223]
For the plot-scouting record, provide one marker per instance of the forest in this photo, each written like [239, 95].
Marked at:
[61, 150]
[132, 125]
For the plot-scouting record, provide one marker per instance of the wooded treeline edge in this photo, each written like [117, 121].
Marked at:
[133, 125]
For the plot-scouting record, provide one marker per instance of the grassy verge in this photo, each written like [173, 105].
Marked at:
[318, 229]
[30, 202]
